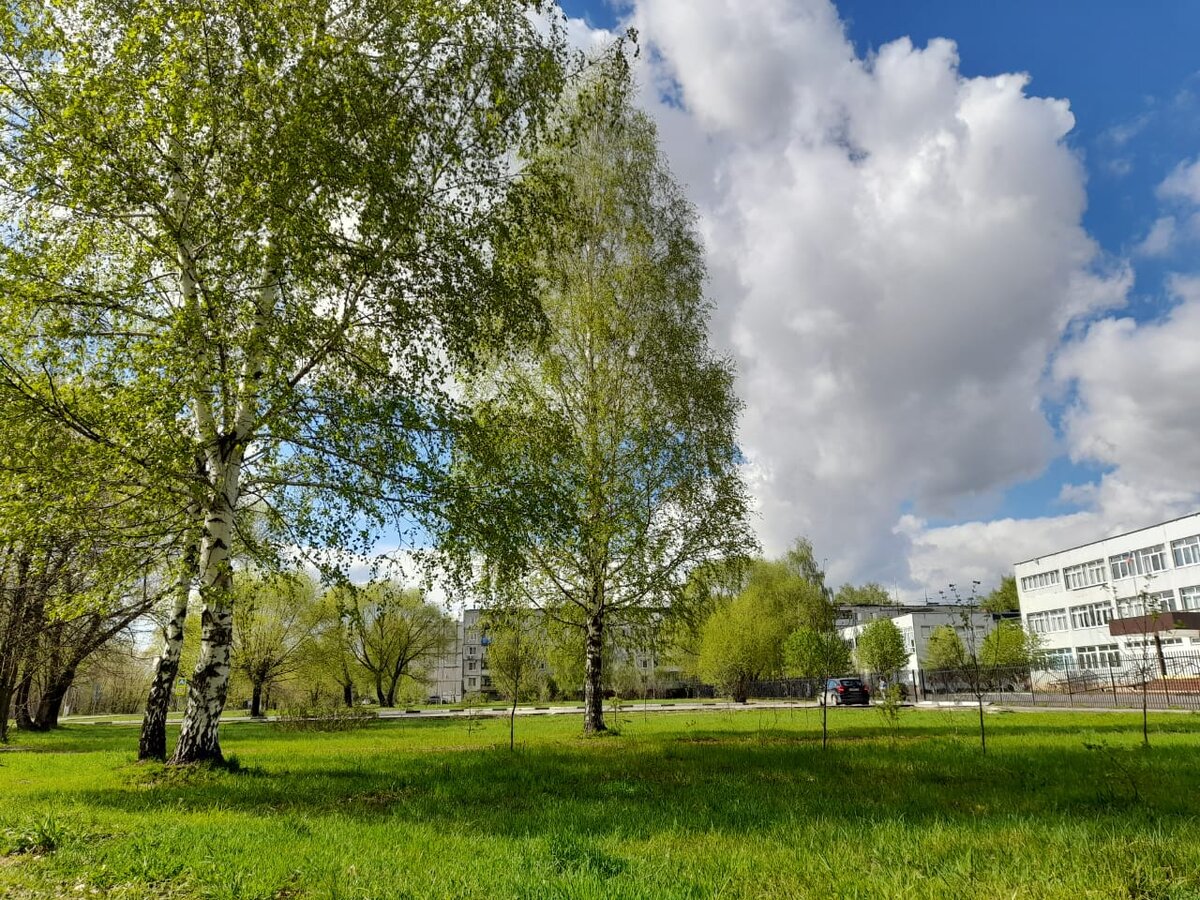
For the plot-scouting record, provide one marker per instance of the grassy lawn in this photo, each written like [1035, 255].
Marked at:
[679, 805]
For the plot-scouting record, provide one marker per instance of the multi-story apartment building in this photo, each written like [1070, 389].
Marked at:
[464, 670]
[1095, 603]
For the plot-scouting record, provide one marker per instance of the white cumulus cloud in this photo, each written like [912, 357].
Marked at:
[895, 251]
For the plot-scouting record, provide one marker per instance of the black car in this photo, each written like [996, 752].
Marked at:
[846, 692]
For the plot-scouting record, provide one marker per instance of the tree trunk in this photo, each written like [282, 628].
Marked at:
[225, 454]
[12, 640]
[593, 687]
[198, 734]
[982, 729]
[198, 738]
[153, 741]
[256, 700]
[50, 703]
[21, 702]
[31, 635]
[348, 694]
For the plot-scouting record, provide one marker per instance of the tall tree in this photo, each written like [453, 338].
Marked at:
[740, 644]
[880, 648]
[611, 458]
[869, 594]
[80, 556]
[1004, 598]
[274, 617]
[268, 231]
[743, 639]
[1010, 645]
[393, 632]
[327, 658]
[944, 651]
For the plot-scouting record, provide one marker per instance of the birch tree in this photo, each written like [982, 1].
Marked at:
[609, 454]
[266, 233]
[516, 658]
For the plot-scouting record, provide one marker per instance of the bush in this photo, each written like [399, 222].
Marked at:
[325, 718]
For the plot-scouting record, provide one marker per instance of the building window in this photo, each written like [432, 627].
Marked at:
[1151, 560]
[1039, 581]
[1139, 643]
[1163, 601]
[1159, 601]
[1122, 566]
[645, 663]
[1187, 551]
[1104, 656]
[1045, 622]
[470, 665]
[1090, 615]
[1129, 607]
[470, 682]
[1084, 575]
[1189, 597]
[470, 651]
[1146, 561]
[1058, 659]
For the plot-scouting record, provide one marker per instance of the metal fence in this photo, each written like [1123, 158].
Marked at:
[1114, 680]
[1170, 680]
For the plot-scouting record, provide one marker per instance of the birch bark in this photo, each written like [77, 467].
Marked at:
[593, 688]
[152, 744]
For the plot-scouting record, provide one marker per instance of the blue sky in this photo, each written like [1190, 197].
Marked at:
[1127, 69]
[983, 217]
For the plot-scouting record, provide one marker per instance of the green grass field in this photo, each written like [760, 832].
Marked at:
[679, 805]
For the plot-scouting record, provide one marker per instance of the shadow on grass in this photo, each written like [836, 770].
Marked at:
[705, 779]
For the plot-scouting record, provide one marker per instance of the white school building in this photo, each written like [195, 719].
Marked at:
[1093, 604]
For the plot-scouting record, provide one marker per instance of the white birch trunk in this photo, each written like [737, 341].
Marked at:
[153, 741]
[224, 454]
[198, 737]
[593, 686]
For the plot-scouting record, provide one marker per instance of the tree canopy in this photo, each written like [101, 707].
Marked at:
[393, 632]
[808, 653]
[880, 648]
[608, 454]
[1008, 644]
[1004, 598]
[869, 594]
[944, 649]
[743, 639]
[265, 234]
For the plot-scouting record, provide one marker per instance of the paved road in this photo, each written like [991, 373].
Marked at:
[632, 708]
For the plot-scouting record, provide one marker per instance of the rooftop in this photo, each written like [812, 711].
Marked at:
[1103, 539]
